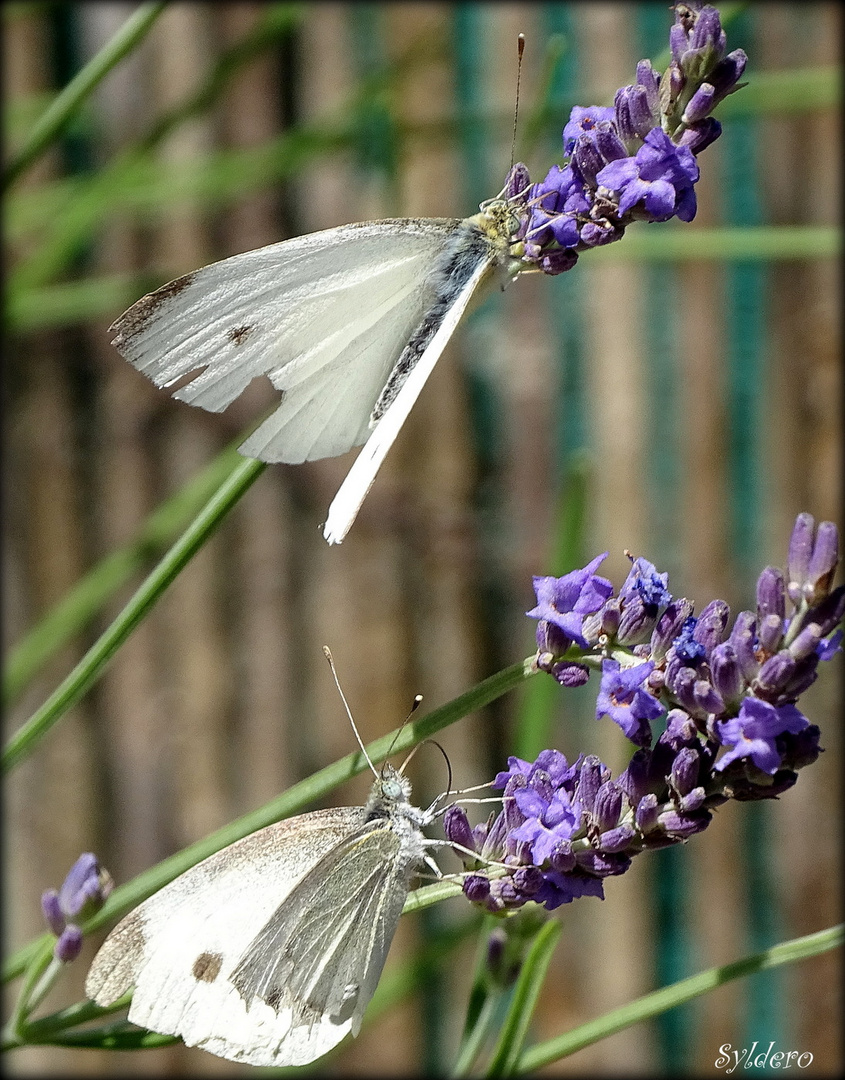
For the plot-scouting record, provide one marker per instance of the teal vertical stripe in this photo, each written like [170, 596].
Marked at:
[673, 957]
[745, 297]
[376, 149]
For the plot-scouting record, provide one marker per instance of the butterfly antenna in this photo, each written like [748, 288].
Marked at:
[520, 48]
[328, 656]
[446, 757]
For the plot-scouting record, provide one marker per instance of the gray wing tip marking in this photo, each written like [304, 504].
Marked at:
[136, 319]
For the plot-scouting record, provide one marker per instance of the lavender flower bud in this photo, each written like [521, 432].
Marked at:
[680, 731]
[603, 864]
[568, 674]
[457, 828]
[699, 136]
[711, 625]
[770, 633]
[648, 78]
[69, 944]
[607, 806]
[692, 801]
[593, 775]
[684, 775]
[828, 614]
[608, 143]
[587, 160]
[646, 814]
[476, 888]
[700, 104]
[798, 559]
[636, 623]
[562, 858]
[618, 839]
[812, 561]
[771, 594]
[707, 697]
[774, 675]
[52, 911]
[707, 43]
[742, 639]
[551, 642]
[806, 641]
[518, 181]
[558, 261]
[528, 880]
[682, 826]
[683, 687]
[726, 673]
[823, 561]
[634, 781]
[669, 626]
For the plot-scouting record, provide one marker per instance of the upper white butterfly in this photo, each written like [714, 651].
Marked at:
[348, 323]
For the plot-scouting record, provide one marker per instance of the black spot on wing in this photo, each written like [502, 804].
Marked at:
[207, 967]
[238, 334]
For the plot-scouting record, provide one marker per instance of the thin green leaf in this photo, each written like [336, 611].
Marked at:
[669, 997]
[298, 798]
[84, 674]
[755, 242]
[79, 606]
[524, 1000]
[69, 100]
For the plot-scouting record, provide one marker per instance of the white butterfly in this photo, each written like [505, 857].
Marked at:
[269, 951]
[348, 323]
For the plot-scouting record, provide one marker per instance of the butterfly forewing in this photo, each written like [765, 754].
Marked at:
[180, 946]
[324, 317]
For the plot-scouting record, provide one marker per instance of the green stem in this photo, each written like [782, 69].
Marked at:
[38, 964]
[66, 103]
[523, 1001]
[71, 689]
[76, 609]
[669, 997]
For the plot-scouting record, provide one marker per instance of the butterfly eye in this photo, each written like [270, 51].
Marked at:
[392, 788]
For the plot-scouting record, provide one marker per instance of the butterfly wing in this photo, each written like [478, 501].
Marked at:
[352, 492]
[323, 316]
[179, 948]
[323, 950]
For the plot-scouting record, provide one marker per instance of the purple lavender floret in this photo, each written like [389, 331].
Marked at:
[83, 892]
[657, 183]
[564, 601]
[624, 698]
[752, 733]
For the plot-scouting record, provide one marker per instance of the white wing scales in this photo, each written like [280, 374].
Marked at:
[323, 316]
[181, 945]
[352, 492]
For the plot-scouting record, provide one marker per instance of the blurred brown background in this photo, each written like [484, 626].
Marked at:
[696, 399]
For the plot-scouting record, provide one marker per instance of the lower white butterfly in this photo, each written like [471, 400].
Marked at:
[348, 323]
[269, 951]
